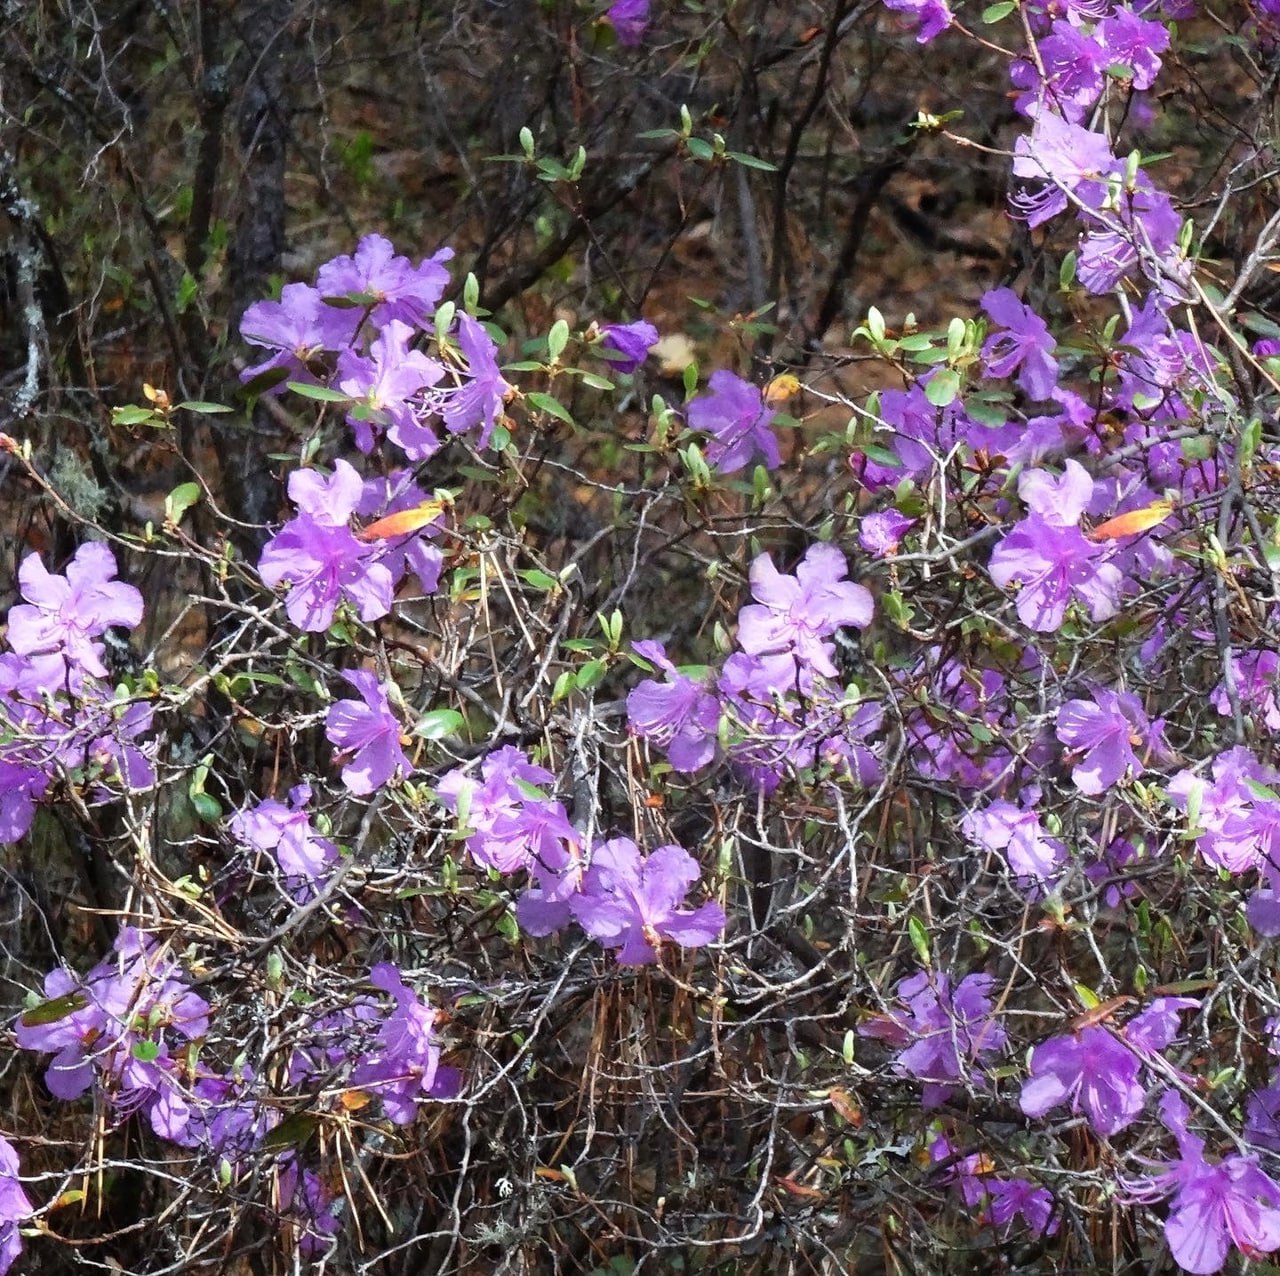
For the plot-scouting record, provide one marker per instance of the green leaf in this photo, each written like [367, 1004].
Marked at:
[439, 723]
[132, 415]
[199, 405]
[557, 339]
[699, 148]
[595, 381]
[943, 387]
[55, 1010]
[539, 579]
[321, 393]
[550, 405]
[919, 939]
[146, 1051]
[751, 161]
[1088, 998]
[292, 1132]
[998, 12]
[207, 807]
[180, 500]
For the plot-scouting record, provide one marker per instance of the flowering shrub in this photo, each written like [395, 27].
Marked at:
[642, 822]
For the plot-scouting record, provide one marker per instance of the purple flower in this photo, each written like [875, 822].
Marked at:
[65, 613]
[680, 715]
[116, 1021]
[1098, 1069]
[735, 416]
[414, 551]
[1012, 1197]
[308, 1202]
[478, 391]
[880, 533]
[1025, 345]
[933, 16]
[1106, 730]
[304, 858]
[384, 383]
[15, 1206]
[628, 344]
[1135, 43]
[1214, 1205]
[1257, 674]
[941, 1036]
[1033, 856]
[318, 557]
[1074, 66]
[1063, 155]
[633, 903]
[403, 1064]
[1054, 565]
[514, 825]
[792, 615]
[368, 734]
[1241, 827]
[1092, 1069]
[393, 286]
[629, 19]
[299, 328]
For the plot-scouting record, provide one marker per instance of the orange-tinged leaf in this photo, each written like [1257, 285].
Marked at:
[403, 523]
[1101, 1013]
[354, 1100]
[845, 1106]
[1133, 522]
[546, 1172]
[781, 388]
[801, 1189]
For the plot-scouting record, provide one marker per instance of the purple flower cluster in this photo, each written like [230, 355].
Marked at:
[303, 857]
[1099, 1069]
[779, 695]
[1214, 1204]
[119, 1026]
[323, 563]
[15, 1206]
[59, 715]
[623, 899]
[942, 1034]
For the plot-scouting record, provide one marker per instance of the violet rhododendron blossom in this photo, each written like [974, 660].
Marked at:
[1238, 821]
[1064, 157]
[300, 328]
[1034, 857]
[1256, 675]
[304, 857]
[734, 415]
[633, 902]
[511, 823]
[1098, 1070]
[1050, 559]
[390, 287]
[118, 1023]
[15, 1206]
[65, 614]
[413, 551]
[679, 715]
[942, 1036]
[1105, 731]
[1214, 1205]
[627, 345]
[1024, 345]
[881, 533]
[366, 735]
[319, 559]
[932, 16]
[402, 1064]
[475, 390]
[629, 18]
[795, 615]
[385, 385]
